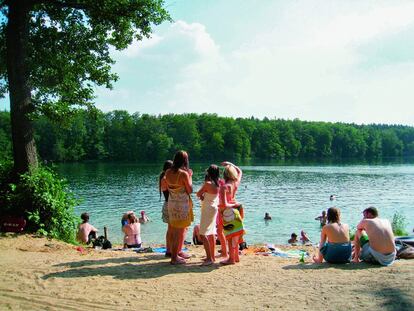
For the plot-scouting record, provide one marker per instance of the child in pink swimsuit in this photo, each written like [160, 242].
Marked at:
[132, 232]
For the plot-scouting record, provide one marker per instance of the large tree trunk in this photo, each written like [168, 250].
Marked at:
[17, 34]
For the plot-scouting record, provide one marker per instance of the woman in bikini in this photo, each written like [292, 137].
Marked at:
[335, 245]
[180, 207]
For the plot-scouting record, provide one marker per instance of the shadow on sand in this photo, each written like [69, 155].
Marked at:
[325, 265]
[127, 268]
[395, 299]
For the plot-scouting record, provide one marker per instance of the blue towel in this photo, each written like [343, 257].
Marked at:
[162, 250]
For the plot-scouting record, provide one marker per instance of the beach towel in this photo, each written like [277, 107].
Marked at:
[405, 252]
[232, 222]
[162, 250]
[180, 206]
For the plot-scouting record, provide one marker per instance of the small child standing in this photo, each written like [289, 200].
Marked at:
[232, 212]
[132, 232]
[86, 232]
[208, 194]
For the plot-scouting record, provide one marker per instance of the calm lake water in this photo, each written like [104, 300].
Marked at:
[293, 195]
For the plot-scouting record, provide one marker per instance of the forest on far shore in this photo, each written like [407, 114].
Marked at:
[120, 136]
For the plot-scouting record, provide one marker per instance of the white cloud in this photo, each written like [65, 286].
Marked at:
[137, 47]
[305, 65]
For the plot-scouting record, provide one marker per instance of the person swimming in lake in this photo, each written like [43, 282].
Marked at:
[144, 218]
[267, 216]
[293, 238]
[86, 232]
[304, 237]
[322, 218]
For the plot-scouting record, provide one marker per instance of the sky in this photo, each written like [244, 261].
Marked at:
[337, 61]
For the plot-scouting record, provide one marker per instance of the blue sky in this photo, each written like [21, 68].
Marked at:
[348, 61]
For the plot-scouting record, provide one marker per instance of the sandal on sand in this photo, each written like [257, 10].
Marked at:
[207, 263]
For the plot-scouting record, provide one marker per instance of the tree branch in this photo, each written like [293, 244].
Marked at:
[74, 4]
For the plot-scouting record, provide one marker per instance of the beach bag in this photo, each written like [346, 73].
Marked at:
[102, 242]
[405, 252]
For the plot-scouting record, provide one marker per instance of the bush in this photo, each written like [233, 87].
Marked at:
[43, 199]
[399, 224]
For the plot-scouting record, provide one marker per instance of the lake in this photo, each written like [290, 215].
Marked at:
[293, 195]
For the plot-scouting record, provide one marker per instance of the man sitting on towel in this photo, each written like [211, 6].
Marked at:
[374, 239]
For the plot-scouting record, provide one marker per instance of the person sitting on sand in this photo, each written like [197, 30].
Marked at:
[124, 221]
[304, 237]
[132, 232]
[144, 218]
[322, 218]
[335, 245]
[374, 239]
[267, 216]
[86, 232]
[293, 238]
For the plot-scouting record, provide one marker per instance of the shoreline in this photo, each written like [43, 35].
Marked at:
[39, 274]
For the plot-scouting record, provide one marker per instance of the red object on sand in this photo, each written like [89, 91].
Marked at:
[12, 224]
[80, 249]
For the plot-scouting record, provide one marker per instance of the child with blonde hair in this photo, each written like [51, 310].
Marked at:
[231, 211]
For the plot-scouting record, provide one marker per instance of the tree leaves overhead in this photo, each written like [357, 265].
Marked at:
[69, 47]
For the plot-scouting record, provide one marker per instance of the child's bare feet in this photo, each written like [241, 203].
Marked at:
[227, 262]
[184, 255]
[207, 263]
[179, 261]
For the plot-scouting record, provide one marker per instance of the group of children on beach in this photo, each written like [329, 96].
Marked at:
[221, 214]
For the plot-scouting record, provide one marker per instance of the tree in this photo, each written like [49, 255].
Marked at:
[57, 51]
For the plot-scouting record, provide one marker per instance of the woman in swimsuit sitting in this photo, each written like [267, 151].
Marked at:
[335, 245]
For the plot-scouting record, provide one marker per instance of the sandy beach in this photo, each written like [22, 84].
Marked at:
[42, 274]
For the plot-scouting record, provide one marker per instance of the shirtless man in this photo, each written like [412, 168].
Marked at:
[374, 239]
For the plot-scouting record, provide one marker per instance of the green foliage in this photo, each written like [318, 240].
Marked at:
[399, 224]
[43, 199]
[69, 47]
[120, 136]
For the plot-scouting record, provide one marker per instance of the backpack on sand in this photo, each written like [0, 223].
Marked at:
[405, 252]
[102, 242]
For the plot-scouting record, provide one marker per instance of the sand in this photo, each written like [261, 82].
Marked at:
[42, 274]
